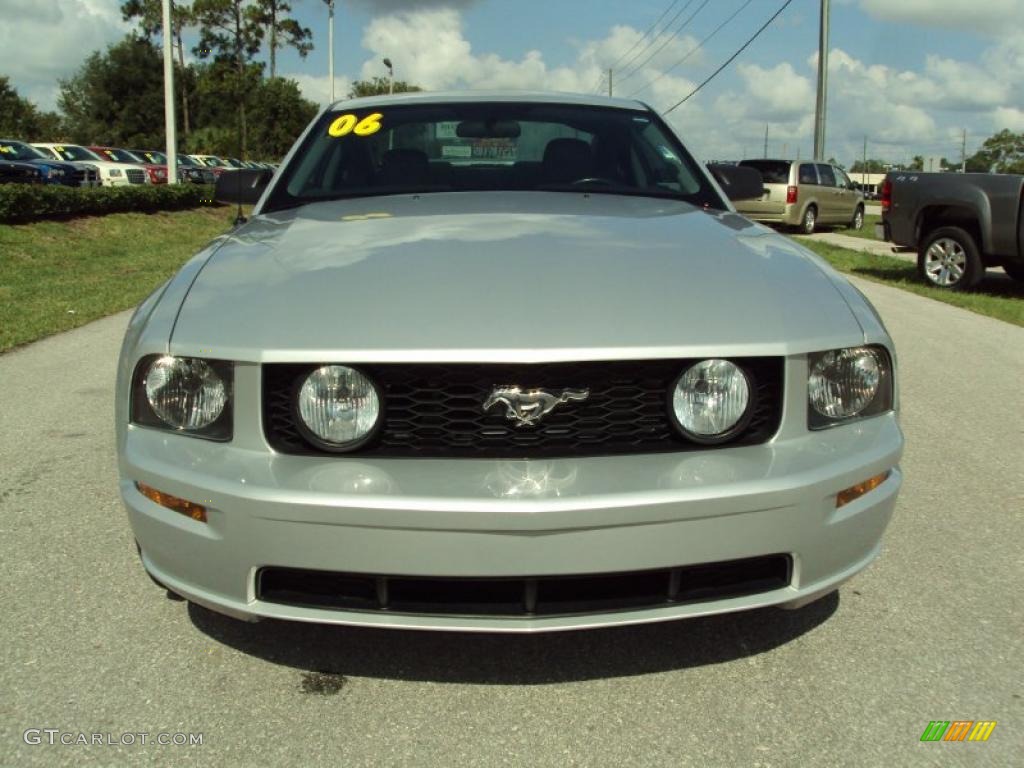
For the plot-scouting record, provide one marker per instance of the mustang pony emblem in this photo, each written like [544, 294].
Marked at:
[527, 407]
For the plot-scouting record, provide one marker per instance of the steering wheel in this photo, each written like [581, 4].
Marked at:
[594, 180]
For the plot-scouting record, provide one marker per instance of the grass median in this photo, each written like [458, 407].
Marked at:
[58, 275]
[996, 296]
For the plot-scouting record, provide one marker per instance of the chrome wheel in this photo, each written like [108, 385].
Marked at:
[810, 220]
[945, 262]
[858, 219]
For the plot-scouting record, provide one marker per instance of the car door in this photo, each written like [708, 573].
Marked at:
[829, 194]
[849, 197]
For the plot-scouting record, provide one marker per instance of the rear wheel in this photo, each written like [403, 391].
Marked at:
[950, 259]
[809, 220]
[858, 218]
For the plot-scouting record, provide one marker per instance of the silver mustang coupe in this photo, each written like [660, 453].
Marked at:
[503, 362]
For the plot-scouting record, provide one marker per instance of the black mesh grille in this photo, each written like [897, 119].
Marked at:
[136, 176]
[525, 596]
[436, 410]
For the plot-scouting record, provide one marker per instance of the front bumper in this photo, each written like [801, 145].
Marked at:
[491, 518]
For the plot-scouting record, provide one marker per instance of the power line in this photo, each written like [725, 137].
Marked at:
[732, 58]
[601, 82]
[668, 40]
[654, 40]
[694, 49]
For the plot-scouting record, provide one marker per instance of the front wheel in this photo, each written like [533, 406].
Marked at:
[950, 259]
[858, 218]
[809, 220]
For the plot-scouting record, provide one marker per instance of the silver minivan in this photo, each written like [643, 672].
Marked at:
[804, 195]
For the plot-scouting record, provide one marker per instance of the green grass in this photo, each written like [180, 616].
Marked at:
[867, 232]
[997, 297]
[58, 275]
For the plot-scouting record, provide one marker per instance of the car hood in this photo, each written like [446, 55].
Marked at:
[516, 276]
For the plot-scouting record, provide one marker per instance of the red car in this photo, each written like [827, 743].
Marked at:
[157, 173]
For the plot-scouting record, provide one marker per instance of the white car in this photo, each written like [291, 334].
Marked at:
[111, 174]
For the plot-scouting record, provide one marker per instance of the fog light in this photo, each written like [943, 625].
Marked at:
[854, 492]
[181, 506]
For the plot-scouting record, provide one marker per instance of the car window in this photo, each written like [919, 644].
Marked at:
[827, 175]
[842, 179]
[483, 146]
[16, 151]
[772, 171]
[807, 174]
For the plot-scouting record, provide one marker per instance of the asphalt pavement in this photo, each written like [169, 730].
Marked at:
[933, 631]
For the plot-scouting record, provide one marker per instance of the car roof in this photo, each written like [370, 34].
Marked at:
[477, 97]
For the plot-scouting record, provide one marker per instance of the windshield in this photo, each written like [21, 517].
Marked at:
[490, 146]
[117, 155]
[152, 157]
[72, 152]
[772, 171]
[15, 150]
[213, 162]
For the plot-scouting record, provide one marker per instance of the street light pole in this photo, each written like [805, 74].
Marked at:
[169, 122]
[822, 103]
[391, 76]
[330, 44]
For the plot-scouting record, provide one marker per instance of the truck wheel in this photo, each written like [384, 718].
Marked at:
[858, 218]
[949, 259]
[809, 221]
[1016, 271]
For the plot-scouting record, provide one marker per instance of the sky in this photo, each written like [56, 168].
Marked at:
[908, 75]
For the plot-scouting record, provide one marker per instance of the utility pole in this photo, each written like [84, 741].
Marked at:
[169, 122]
[609, 81]
[864, 167]
[963, 153]
[822, 104]
[785, 150]
[766, 139]
[330, 44]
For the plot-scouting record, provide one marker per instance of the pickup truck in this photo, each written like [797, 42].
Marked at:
[959, 224]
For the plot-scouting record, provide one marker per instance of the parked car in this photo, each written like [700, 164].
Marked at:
[53, 171]
[959, 223]
[112, 173]
[188, 171]
[572, 389]
[212, 162]
[12, 172]
[804, 195]
[157, 173]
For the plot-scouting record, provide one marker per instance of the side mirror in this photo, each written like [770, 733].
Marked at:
[242, 186]
[737, 181]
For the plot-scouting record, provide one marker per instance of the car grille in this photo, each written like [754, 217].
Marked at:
[85, 178]
[524, 596]
[136, 176]
[436, 410]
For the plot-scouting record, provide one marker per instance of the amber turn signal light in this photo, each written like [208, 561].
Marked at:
[854, 492]
[181, 506]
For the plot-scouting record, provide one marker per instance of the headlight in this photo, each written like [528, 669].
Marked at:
[115, 171]
[186, 394]
[711, 400]
[844, 384]
[338, 407]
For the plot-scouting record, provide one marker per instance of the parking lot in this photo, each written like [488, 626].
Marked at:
[932, 631]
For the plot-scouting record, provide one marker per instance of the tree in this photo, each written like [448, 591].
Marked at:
[280, 114]
[379, 86]
[117, 97]
[280, 30]
[872, 166]
[20, 118]
[151, 22]
[229, 32]
[1002, 153]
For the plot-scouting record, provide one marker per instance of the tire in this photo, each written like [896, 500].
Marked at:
[1016, 271]
[858, 218]
[950, 259]
[809, 221]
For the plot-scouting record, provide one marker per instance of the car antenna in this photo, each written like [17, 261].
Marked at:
[239, 216]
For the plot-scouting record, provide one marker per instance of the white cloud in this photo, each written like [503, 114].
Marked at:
[43, 40]
[1008, 117]
[317, 88]
[990, 17]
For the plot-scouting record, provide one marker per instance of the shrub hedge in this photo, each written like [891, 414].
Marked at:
[31, 202]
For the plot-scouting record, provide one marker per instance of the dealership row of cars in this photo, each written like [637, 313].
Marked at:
[72, 165]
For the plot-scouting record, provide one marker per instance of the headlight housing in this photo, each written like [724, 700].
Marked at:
[338, 407]
[848, 384]
[189, 395]
[115, 171]
[712, 401]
